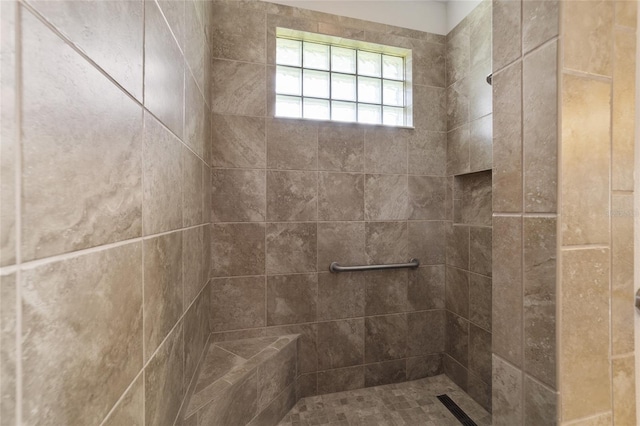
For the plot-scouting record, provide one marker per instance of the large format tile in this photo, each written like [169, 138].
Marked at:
[340, 343]
[340, 196]
[624, 390]
[340, 380]
[507, 30]
[238, 33]
[430, 108]
[238, 195]
[480, 353]
[342, 242]
[275, 374]
[307, 343]
[480, 300]
[292, 145]
[481, 143]
[480, 250]
[426, 197]
[386, 292]
[385, 151]
[427, 152]
[540, 22]
[457, 291]
[540, 404]
[622, 274]
[427, 241]
[341, 295]
[385, 197]
[238, 303]
[428, 63]
[238, 141]
[8, 322]
[238, 88]
[341, 148]
[426, 288]
[385, 338]
[457, 341]
[130, 409]
[237, 249]
[291, 298]
[193, 189]
[292, 196]
[507, 393]
[384, 373]
[458, 150]
[194, 275]
[386, 242]
[426, 332]
[458, 52]
[291, 247]
[103, 292]
[458, 246]
[59, 90]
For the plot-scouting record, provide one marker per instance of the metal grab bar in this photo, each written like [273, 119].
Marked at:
[334, 267]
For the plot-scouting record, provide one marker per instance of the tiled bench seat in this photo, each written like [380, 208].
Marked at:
[240, 382]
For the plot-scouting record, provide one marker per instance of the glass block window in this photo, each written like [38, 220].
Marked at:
[325, 81]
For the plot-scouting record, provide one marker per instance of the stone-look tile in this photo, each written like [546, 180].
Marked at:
[196, 49]
[479, 390]
[341, 148]
[285, 18]
[8, 341]
[238, 195]
[237, 303]
[507, 30]
[426, 332]
[481, 144]
[192, 189]
[624, 390]
[448, 201]
[480, 300]
[480, 34]
[292, 196]
[427, 152]
[163, 290]
[342, 242]
[428, 63]
[238, 141]
[430, 108]
[385, 197]
[164, 71]
[457, 291]
[238, 33]
[173, 11]
[589, 21]
[193, 269]
[340, 343]
[540, 20]
[457, 341]
[507, 137]
[340, 380]
[455, 371]
[458, 246]
[306, 385]
[291, 298]
[623, 109]
[458, 53]
[291, 247]
[540, 406]
[238, 88]
[163, 179]
[458, 103]
[130, 409]
[585, 173]
[540, 298]
[340, 295]
[622, 291]
[584, 333]
[275, 374]
[340, 196]
[427, 242]
[103, 292]
[458, 150]
[427, 197]
[384, 373]
[507, 289]
[237, 249]
[424, 366]
[426, 288]
[244, 348]
[277, 409]
[626, 13]
[480, 250]
[237, 406]
[196, 333]
[385, 292]
[480, 353]
[540, 130]
[385, 151]
[386, 242]
[292, 145]
[474, 205]
[307, 344]
[163, 381]
[81, 213]
[479, 91]
[507, 388]
[197, 125]
[385, 338]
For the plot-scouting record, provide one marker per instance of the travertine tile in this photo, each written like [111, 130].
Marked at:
[624, 390]
[481, 143]
[237, 249]
[480, 250]
[238, 33]
[291, 247]
[507, 393]
[458, 150]
[339, 380]
[291, 298]
[540, 22]
[540, 129]
[292, 144]
[427, 242]
[384, 373]
[342, 242]
[385, 197]
[238, 141]
[385, 292]
[340, 196]
[385, 151]
[427, 152]
[341, 148]
[626, 13]
[238, 195]
[458, 246]
[193, 189]
[426, 288]
[457, 341]
[340, 295]
[540, 407]
[130, 409]
[105, 287]
[507, 31]
[386, 242]
[340, 343]
[81, 213]
[8, 340]
[427, 197]
[292, 196]
[426, 332]
[584, 333]
[585, 173]
[480, 300]
[428, 63]
[238, 88]
[238, 303]
[622, 291]
[507, 137]
[163, 291]
[385, 338]
[592, 20]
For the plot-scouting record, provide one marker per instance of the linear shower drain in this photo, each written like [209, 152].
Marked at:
[458, 412]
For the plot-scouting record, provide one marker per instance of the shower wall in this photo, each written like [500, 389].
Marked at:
[469, 161]
[103, 307]
[291, 196]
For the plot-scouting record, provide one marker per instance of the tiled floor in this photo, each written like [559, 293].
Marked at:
[410, 403]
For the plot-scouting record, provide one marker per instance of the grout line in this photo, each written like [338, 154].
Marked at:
[584, 247]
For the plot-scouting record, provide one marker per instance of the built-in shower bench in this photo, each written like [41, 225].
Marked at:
[240, 382]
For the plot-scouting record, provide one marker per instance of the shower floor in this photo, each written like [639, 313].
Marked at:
[408, 403]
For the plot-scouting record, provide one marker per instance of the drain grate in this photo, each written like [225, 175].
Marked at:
[462, 417]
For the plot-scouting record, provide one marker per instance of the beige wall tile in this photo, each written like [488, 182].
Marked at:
[130, 409]
[480, 250]
[238, 303]
[292, 196]
[342, 242]
[196, 49]
[341, 148]
[427, 153]
[455, 371]
[237, 249]
[479, 391]
[196, 333]
[340, 196]
[292, 298]
[385, 197]
[103, 292]
[458, 103]
[384, 373]
[472, 199]
[292, 144]
[193, 189]
[458, 246]
[507, 31]
[427, 241]
[238, 33]
[340, 380]
[174, 12]
[626, 13]
[458, 52]
[8, 352]
[457, 343]
[480, 300]
[593, 21]
[424, 366]
[540, 404]
[481, 144]
[196, 117]
[238, 88]
[480, 34]
[385, 151]
[340, 295]
[507, 393]
[386, 292]
[238, 195]
[540, 22]
[238, 141]
[425, 332]
[428, 63]
[59, 92]
[340, 343]
[622, 291]
[458, 150]
[624, 390]
[479, 91]
[585, 172]
[385, 338]
[480, 353]
[426, 288]
[457, 291]
[584, 333]
[386, 242]
[291, 247]
[429, 108]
